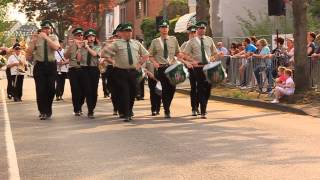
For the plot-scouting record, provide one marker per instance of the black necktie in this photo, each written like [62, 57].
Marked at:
[46, 58]
[165, 49]
[89, 56]
[203, 53]
[129, 53]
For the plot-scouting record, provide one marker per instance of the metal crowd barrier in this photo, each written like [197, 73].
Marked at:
[247, 77]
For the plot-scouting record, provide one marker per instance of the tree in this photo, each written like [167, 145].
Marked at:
[149, 30]
[300, 50]
[3, 12]
[203, 9]
[176, 8]
[58, 11]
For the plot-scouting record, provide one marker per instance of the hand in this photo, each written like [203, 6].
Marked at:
[138, 66]
[156, 65]
[43, 35]
[189, 65]
[194, 63]
[150, 75]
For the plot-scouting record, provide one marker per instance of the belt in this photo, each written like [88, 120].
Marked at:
[42, 62]
[128, 70]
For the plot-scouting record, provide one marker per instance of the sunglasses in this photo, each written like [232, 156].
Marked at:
[79, 35]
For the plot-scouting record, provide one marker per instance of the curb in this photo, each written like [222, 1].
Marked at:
[253, 103]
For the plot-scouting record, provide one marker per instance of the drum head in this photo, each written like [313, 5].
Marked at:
[170, 68]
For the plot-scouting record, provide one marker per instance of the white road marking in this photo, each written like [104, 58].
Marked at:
[11, 151]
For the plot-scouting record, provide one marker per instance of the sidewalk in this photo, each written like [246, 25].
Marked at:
[236, 96]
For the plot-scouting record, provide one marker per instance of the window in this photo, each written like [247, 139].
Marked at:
[145, 7]
[138, 8]
[123, 15]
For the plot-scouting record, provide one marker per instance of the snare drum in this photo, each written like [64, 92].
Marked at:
[214, 72]
[176, 74]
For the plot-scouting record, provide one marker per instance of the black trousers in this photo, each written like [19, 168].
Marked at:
[105, 88]
[193, 93]
[140, 89]
[9, 83]
[111, 87]
[168, 90]
[78, 84]
[17, 86]
[203, 89]
[45, 74]
[91, 90]
[155, 99]
[125, 84]
[60, 82]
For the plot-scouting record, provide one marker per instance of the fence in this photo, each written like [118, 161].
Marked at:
[241, 70]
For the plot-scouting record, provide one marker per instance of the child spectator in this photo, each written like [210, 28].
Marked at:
[286, 89]
[281, 76]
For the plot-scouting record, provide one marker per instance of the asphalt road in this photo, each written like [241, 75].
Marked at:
[235, 142]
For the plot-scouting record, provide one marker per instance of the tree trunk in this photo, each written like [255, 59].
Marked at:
[302, 65]
[203, 7]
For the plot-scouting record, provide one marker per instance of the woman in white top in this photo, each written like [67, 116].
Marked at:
[285, 89]
[17, 64]
[62, 68]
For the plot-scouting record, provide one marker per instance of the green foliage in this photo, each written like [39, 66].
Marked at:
[176, 8]
[314, 15]
[262, 24]
[58, 11]
[148, 27]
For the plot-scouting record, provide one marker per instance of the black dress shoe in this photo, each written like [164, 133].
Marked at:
[127, 119]
[203, 116]
[198, 112]
[90, 115]
[167, 116]
[43, 117]
[121, 116]
[9, 96]
[77, 113]
[158, 113]
[115, 113]
[194, 113]
[153, 114]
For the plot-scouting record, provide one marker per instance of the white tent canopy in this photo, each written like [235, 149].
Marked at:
[184, 21]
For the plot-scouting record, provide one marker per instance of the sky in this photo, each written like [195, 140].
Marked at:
[14, 14]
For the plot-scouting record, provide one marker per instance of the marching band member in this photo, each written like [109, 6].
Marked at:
[17, 64]
[75, 74]
[201, 49]
[127, 61]
[89, 64]
[62, 68]
[42, 47]
[193, 92]
[162, 54]
[109, 74]
[155, 99]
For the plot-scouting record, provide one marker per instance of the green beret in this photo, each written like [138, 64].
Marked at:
[126, 27]
[77, 30]
[192, 28]
[45, 24]
[201, 24]
[90, 32]
[117, 29]
[164, 23]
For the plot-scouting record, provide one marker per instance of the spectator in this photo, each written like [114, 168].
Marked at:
[311, 45]
[290, 51]
[316, 54]
[280, 49]
[286, 89]
[254, 40]
[265, 65]
[234, 49]
[221, 49]
[281, 76]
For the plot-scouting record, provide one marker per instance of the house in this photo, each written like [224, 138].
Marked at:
[134, 11]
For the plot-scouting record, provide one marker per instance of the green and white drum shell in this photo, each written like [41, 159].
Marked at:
[176, 74]
[214, 72]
